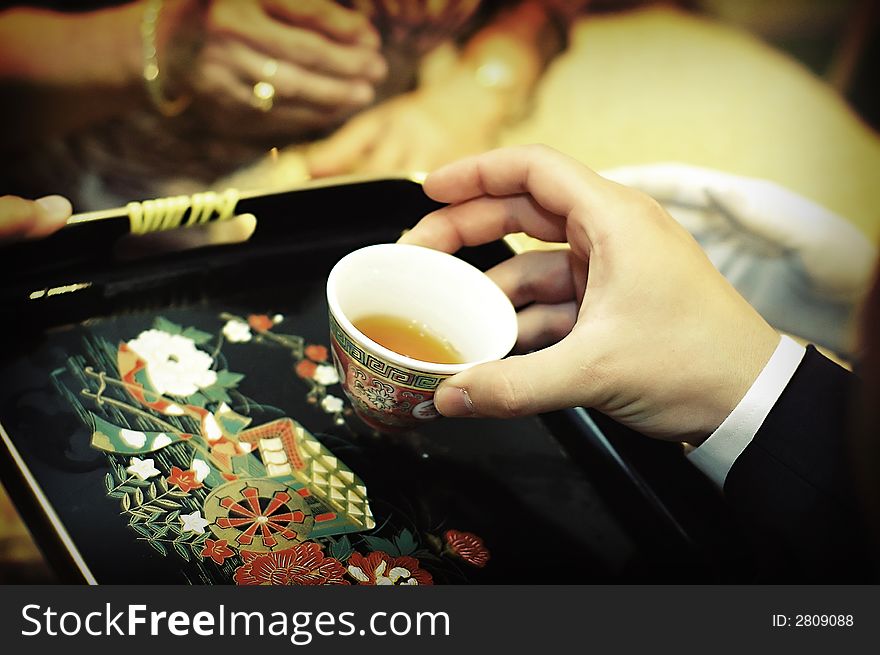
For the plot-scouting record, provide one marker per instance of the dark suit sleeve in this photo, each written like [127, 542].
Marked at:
[793, 487]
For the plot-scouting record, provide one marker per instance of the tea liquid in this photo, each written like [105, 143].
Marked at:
[407, 337]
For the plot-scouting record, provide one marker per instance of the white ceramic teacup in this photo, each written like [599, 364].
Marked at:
[456, 300]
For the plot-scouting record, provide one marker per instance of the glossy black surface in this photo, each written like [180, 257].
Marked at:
[559, 498]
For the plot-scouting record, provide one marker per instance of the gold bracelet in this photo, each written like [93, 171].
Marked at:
[151, 71]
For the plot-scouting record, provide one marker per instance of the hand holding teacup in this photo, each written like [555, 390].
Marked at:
[633, 320]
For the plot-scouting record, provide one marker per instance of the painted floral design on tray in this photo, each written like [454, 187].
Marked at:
[311, 360]
[380, 569]
[467, 547]
[362, 560]
[303, 564]
[264, 504]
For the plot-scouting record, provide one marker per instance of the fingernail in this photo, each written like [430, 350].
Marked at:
[453, 401]
[57, 207]
[56, 211]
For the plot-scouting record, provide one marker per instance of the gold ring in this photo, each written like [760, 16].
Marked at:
[264, 96]
[264, 91]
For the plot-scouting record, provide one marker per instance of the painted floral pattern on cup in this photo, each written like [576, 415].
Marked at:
[383, 395]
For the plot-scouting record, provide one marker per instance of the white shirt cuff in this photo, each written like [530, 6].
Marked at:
[716, 455]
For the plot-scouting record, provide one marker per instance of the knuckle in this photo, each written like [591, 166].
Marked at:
[309, 56]
[637, 203]
[650, 204]
[512, 399]
[537, 147]
[641, 201]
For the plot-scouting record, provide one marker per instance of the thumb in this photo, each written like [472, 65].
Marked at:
[20, 218]
[541, 381]
[51, 213]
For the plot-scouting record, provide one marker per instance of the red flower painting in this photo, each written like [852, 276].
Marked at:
[468, 547]
[183, 480]
[306, 369]
[260, 322]
[316, 353]
[381, 569]
[217, 550]
[304, 564]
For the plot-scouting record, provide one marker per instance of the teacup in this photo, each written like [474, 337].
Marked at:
[459, 303]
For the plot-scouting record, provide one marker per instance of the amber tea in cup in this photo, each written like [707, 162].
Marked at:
[408, 337]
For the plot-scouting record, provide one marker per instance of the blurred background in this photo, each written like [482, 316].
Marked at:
[835, 39]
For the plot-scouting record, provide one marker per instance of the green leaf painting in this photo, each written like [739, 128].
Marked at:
[341, 549]
[405, 542]
[385, 545]
[199, 337]
[163, 324]
[228, 379]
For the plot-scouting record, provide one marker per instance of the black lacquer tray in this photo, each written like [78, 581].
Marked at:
[567, 497]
